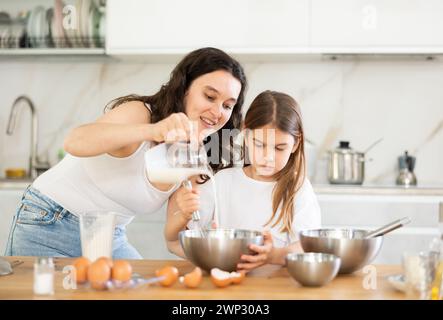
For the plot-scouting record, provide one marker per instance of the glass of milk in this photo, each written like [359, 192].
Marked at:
[96, 233]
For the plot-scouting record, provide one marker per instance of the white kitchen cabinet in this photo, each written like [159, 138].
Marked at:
[374, 26]
[176, 26]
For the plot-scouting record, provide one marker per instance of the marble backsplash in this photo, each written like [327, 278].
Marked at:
[359, 99]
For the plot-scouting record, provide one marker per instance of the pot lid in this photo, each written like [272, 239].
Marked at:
[344, 147]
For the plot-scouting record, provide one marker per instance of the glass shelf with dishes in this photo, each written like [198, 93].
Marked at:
[75, 28]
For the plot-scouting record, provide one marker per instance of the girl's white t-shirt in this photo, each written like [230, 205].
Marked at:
[246, 203]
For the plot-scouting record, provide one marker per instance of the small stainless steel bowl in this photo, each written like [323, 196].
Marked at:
[218, 248]
[312, 269]
[349, 244]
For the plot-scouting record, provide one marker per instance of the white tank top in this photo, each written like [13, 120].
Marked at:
[103, 183]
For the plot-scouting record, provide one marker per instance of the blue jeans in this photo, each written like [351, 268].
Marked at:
[41, 227]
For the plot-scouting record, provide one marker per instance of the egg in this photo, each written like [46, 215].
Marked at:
[238, 277]
[170, 273]
[220, 278]
[107, 260]
[121, 271]
[98, 273]
[193, 278]
[81, 269]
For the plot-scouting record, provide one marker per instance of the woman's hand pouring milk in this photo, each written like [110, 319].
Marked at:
[176, 127]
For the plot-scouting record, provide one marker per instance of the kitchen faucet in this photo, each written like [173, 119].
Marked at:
[35, 165]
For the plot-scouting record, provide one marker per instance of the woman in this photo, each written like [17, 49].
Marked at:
[104, 168]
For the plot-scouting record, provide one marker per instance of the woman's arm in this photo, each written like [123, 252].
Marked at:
[120, 131]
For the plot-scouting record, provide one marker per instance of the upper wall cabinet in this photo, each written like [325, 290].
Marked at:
[177, 26]
[274, 27]
[377, 25]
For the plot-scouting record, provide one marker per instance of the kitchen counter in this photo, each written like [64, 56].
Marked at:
[14, 184]
[376, 189]
[268, 283]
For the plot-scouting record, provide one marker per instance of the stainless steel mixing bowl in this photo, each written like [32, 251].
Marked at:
[349, 244]
[218, 248]
[312, 269]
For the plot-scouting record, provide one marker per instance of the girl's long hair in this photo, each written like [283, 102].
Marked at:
[170, 98]
[283, 112]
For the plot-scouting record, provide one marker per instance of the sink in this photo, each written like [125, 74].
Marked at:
[14, 184]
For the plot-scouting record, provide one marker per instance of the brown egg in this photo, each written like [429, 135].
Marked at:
[107, 260]
[220, 278]
[193, 278]
[81, 269]
[238, 277]
[121, 271]
[170, 273]
[98, 273]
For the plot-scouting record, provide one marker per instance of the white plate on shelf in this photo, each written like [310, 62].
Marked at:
[61, 35]
[91, 43]
[29, 27]
[94, 25]
[102, 30]
[49, 19]
[79, 29]
[5, 27]
[85, 10]
[17, 32]
[39, 27]
[73, 35]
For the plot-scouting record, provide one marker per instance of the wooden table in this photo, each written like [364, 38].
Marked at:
[268, 283]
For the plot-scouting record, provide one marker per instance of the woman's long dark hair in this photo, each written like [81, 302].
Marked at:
[169, 99]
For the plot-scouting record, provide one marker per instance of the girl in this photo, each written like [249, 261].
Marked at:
[270, 192]
[104, 170]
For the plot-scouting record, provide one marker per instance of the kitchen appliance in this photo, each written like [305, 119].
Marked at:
[312, 269]
[218, 248]
[406, 176]
[347, 166]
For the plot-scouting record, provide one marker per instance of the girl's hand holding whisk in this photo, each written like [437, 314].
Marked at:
[188, 201]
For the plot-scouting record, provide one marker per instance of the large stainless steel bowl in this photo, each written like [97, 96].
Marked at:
[349, 244]
[312, 269]
[218, 248]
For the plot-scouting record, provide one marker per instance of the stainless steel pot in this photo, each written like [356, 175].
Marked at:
[346, 166]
